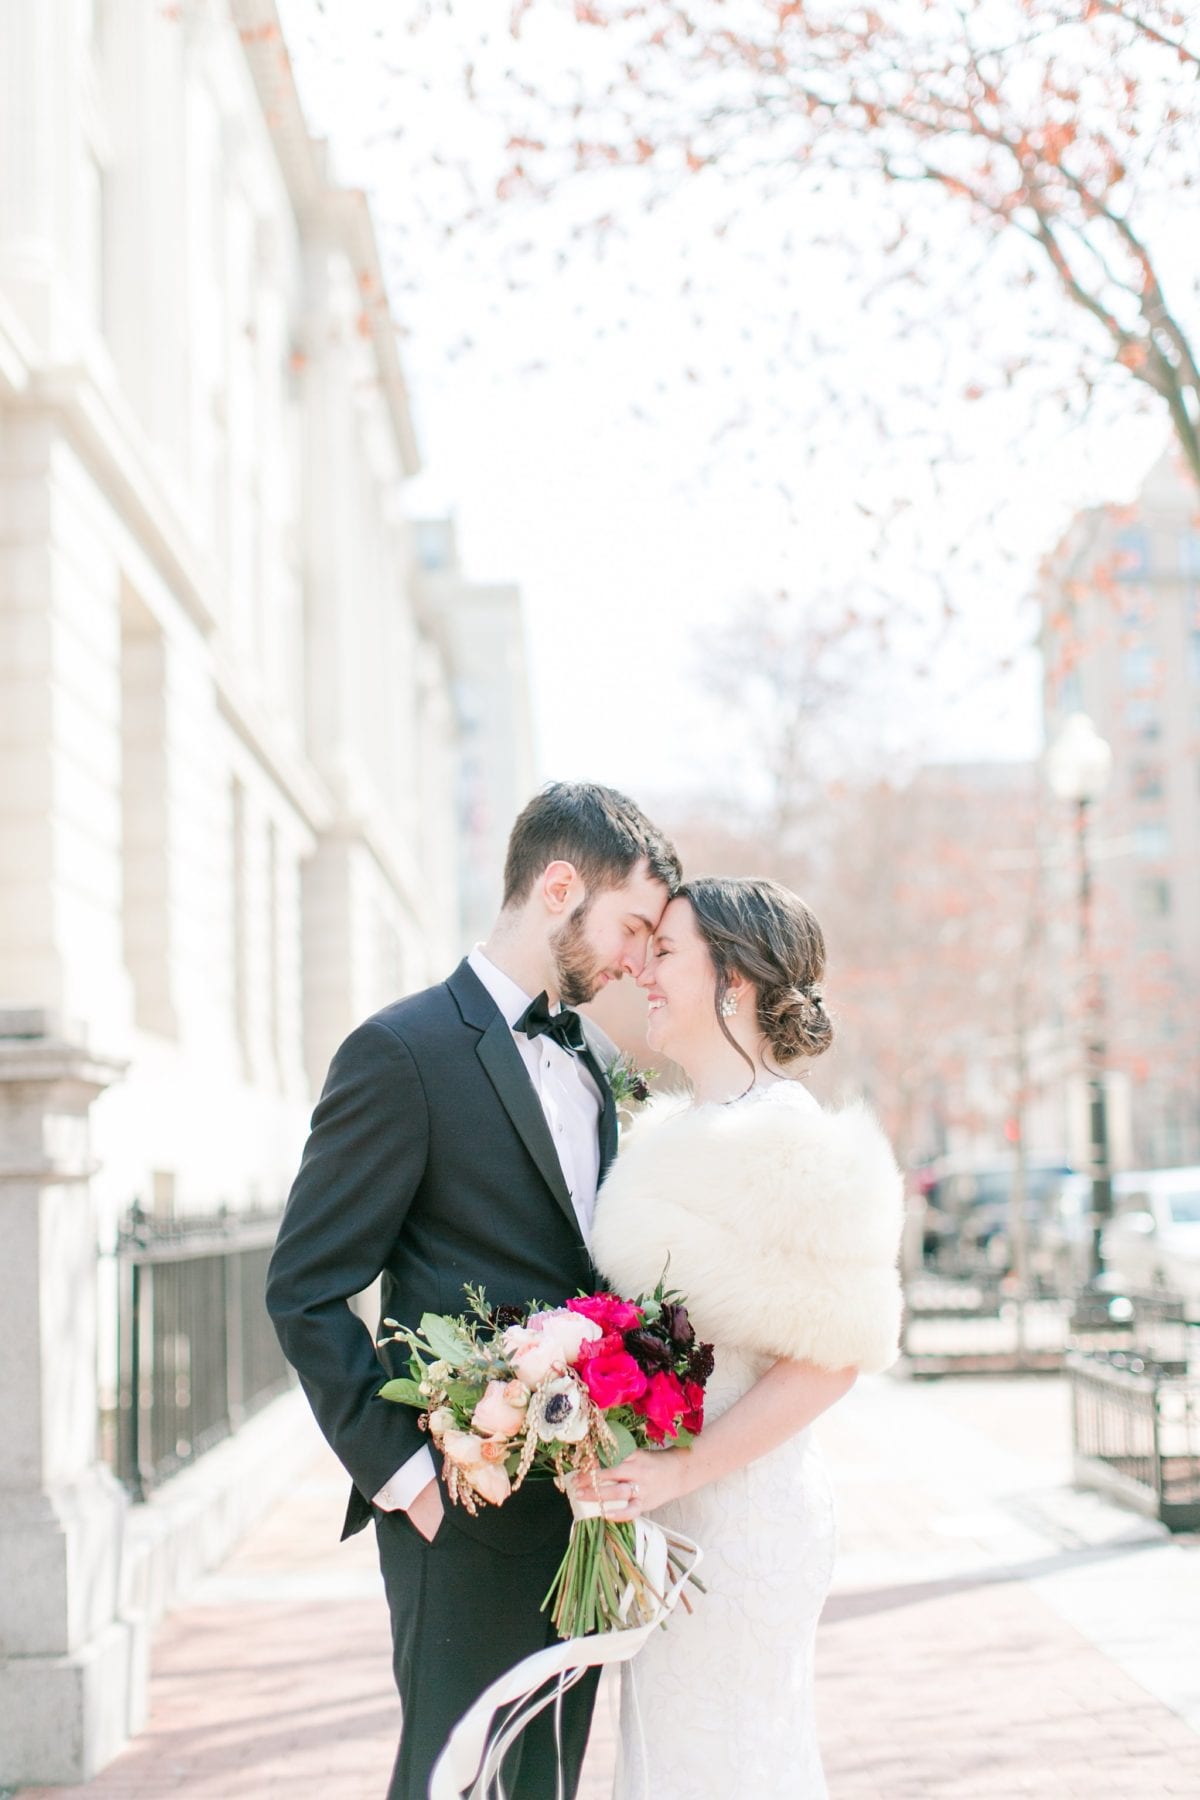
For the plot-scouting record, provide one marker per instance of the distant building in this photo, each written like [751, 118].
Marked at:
[977, 1059]
[482, 631]
[1121, 642]
[235, 728]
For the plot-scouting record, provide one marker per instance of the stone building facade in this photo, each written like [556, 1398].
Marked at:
[232, 731]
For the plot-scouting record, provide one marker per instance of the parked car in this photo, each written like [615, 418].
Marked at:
[1153, 1242]
[968, 1213]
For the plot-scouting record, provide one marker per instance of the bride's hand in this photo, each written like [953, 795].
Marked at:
[644, 1481]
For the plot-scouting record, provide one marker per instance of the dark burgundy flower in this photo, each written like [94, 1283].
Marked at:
[701, 1363]
[650, 1351]
[678, 1325]
[639, 1090]
[693, 1418]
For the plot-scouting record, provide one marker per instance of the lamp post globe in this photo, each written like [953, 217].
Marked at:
[1079, 761]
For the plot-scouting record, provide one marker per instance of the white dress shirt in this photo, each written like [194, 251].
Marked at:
[571, 1102]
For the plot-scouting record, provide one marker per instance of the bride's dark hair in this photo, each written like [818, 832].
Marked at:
[766, 934]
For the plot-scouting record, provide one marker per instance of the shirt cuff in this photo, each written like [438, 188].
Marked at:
[410, 1479]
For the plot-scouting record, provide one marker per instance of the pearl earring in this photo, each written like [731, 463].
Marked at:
[728, 1005]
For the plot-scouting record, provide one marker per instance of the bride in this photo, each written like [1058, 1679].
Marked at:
[779, 1222]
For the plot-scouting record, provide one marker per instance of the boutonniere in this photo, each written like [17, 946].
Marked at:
[629, 1084]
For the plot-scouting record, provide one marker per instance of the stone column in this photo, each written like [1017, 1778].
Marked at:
[72, 1671]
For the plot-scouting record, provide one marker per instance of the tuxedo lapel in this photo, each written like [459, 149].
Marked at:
[502, 1060]
[608, 1109]
[510, 1078]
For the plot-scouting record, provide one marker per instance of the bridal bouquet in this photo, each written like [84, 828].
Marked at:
[562, 1392]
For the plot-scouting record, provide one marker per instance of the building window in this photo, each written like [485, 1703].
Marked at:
[94, 242]
[240, 919]
[274, 974]
[1146, 781]
[1133, 553]
[1153, 898]
[145, 817]
[1070, 692]
[1139, 669]
[1189, 555]
[1151, 842]
[1142, 719]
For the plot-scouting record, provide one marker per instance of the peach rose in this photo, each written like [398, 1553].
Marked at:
[463, 1448]
[489, 1481]
[495, 1415]
[495, 1450]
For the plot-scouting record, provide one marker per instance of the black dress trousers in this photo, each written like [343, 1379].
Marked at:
[464, 1609]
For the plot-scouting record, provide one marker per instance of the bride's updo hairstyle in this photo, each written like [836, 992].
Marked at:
[765, 933]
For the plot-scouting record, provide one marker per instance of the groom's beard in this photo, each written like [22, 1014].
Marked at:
[575, 960]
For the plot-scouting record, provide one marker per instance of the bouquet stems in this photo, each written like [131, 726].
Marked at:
[599, 1585]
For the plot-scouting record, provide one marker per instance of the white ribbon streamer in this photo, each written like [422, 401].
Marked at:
[472, 1757]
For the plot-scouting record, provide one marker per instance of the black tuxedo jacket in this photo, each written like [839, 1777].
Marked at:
[430, 1163]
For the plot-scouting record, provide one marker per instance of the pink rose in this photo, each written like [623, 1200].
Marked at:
[495, 1415]
[495, 1450]
[610, 1313]
[608, 1345]
[613, 1380]
[533, 1354]
[550, 1342]
[569, 1329]
[661, 1406]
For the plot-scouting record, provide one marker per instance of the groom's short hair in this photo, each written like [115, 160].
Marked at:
[600, 831]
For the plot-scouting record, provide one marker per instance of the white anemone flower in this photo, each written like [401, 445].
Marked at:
[558, 1411]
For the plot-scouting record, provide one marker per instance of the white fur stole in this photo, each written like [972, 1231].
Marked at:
[778, 1221]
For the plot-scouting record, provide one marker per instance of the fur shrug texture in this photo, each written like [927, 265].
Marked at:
[778, 1221]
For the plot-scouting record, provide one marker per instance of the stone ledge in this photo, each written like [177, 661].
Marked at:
[62, 1718]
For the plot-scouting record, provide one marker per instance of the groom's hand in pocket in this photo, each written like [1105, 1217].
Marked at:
[427, 1510]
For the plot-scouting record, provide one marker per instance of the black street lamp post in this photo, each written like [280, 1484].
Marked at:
[1078, 764]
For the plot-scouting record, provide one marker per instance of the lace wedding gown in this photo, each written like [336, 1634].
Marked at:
[719, 1705]
[778, 1221]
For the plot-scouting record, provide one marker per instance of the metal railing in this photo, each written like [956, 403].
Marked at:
[1135, 1413]
[975, 1324]
[196, 1350]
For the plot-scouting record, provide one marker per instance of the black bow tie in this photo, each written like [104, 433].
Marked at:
[564, 1026]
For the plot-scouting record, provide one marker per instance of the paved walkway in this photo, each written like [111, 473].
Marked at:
[991, 1633]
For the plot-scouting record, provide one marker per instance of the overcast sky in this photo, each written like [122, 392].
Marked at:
[643, 436]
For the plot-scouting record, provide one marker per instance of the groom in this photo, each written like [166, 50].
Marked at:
[460, 1137]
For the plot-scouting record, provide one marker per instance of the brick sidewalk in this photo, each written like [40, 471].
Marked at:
[990, 1634]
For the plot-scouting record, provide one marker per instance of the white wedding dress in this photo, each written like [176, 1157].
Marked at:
[719, 1705]
[778, 1222]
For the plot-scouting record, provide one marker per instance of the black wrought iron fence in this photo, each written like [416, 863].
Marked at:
[1135, 1413]
[197, 1352]
[974, 1325]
